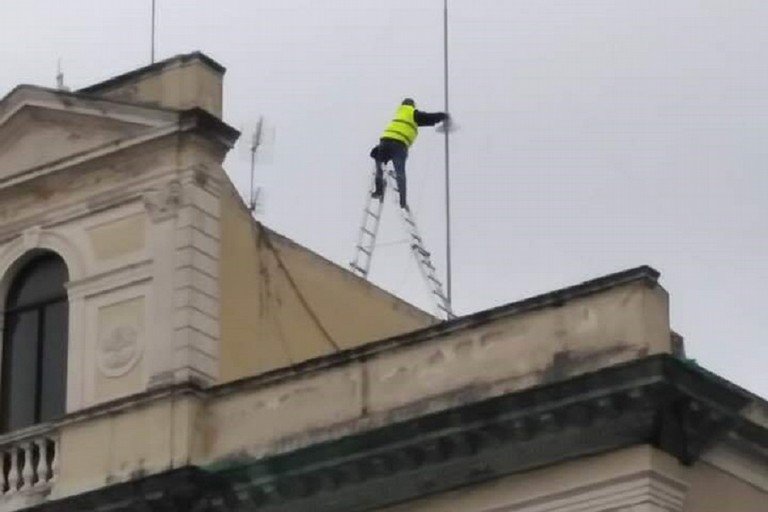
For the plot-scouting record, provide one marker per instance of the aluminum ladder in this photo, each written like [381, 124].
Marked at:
[366, 244]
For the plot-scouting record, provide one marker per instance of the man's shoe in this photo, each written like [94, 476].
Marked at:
[377, 194]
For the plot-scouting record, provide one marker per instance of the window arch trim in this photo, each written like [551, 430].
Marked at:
[24, 248]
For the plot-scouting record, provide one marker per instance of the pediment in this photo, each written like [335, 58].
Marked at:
[36, 133]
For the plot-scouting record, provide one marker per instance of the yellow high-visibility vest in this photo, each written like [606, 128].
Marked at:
[403, 127]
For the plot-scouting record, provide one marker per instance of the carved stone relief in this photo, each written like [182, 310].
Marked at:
[163, 202]
[120, 334]
[118, 349]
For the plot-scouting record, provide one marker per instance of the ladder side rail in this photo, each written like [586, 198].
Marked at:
[366, 240]
[433, 283]
[357, 264]
[423, 257]
[370, 235]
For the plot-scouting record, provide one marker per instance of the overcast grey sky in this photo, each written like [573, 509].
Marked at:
[595, 135]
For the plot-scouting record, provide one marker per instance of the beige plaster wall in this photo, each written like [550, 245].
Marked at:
[122, 445]
[282, 304]
[714, 490]
[118, 238]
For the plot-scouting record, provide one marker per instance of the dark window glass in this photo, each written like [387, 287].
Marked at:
[40, 281]
[54, 361]
[19, 387]
[35, 345]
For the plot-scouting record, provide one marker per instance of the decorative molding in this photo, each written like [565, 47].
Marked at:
[162, 380]
[129, 275]
[205, 177]
[31, 97]
[80, 158]
[31, 237]
[163, 202]
[40, 238]
[18, 212]
[741, 462]
[633, 491]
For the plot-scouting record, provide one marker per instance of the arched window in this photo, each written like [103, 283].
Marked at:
[34, 370]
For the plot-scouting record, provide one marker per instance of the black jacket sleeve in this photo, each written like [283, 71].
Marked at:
[428, 119]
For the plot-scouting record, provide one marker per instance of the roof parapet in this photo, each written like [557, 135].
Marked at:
[182, 82]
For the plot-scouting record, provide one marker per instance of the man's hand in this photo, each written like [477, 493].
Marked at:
[447, 126]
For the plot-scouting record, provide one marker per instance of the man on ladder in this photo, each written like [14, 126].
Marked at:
[394, 144]
[399, 135]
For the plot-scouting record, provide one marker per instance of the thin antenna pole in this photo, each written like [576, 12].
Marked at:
[153, 32]
[255, 143]
[59, 76]
[447, 160]
[252, 199]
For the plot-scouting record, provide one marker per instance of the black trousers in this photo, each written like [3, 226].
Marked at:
[397, 152]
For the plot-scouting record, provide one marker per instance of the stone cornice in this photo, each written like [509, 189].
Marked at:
[103, 150]
[34, 96]
[659, 400]
[196, 121]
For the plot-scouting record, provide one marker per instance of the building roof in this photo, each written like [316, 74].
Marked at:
[152, 69]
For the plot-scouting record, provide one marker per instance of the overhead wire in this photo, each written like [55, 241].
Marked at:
[297, 290]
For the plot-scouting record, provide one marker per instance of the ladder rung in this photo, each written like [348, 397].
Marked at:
[363, 249]
[424, 259]
[369, 232]
[425, 262]
[372, 214]
[357, 267]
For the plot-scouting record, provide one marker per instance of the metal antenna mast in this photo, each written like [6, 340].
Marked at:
[255, 144]
[153, 33]
[448, 287]
[60, 78]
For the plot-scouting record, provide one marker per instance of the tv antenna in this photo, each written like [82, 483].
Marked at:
[256, 142]
[60, 78]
